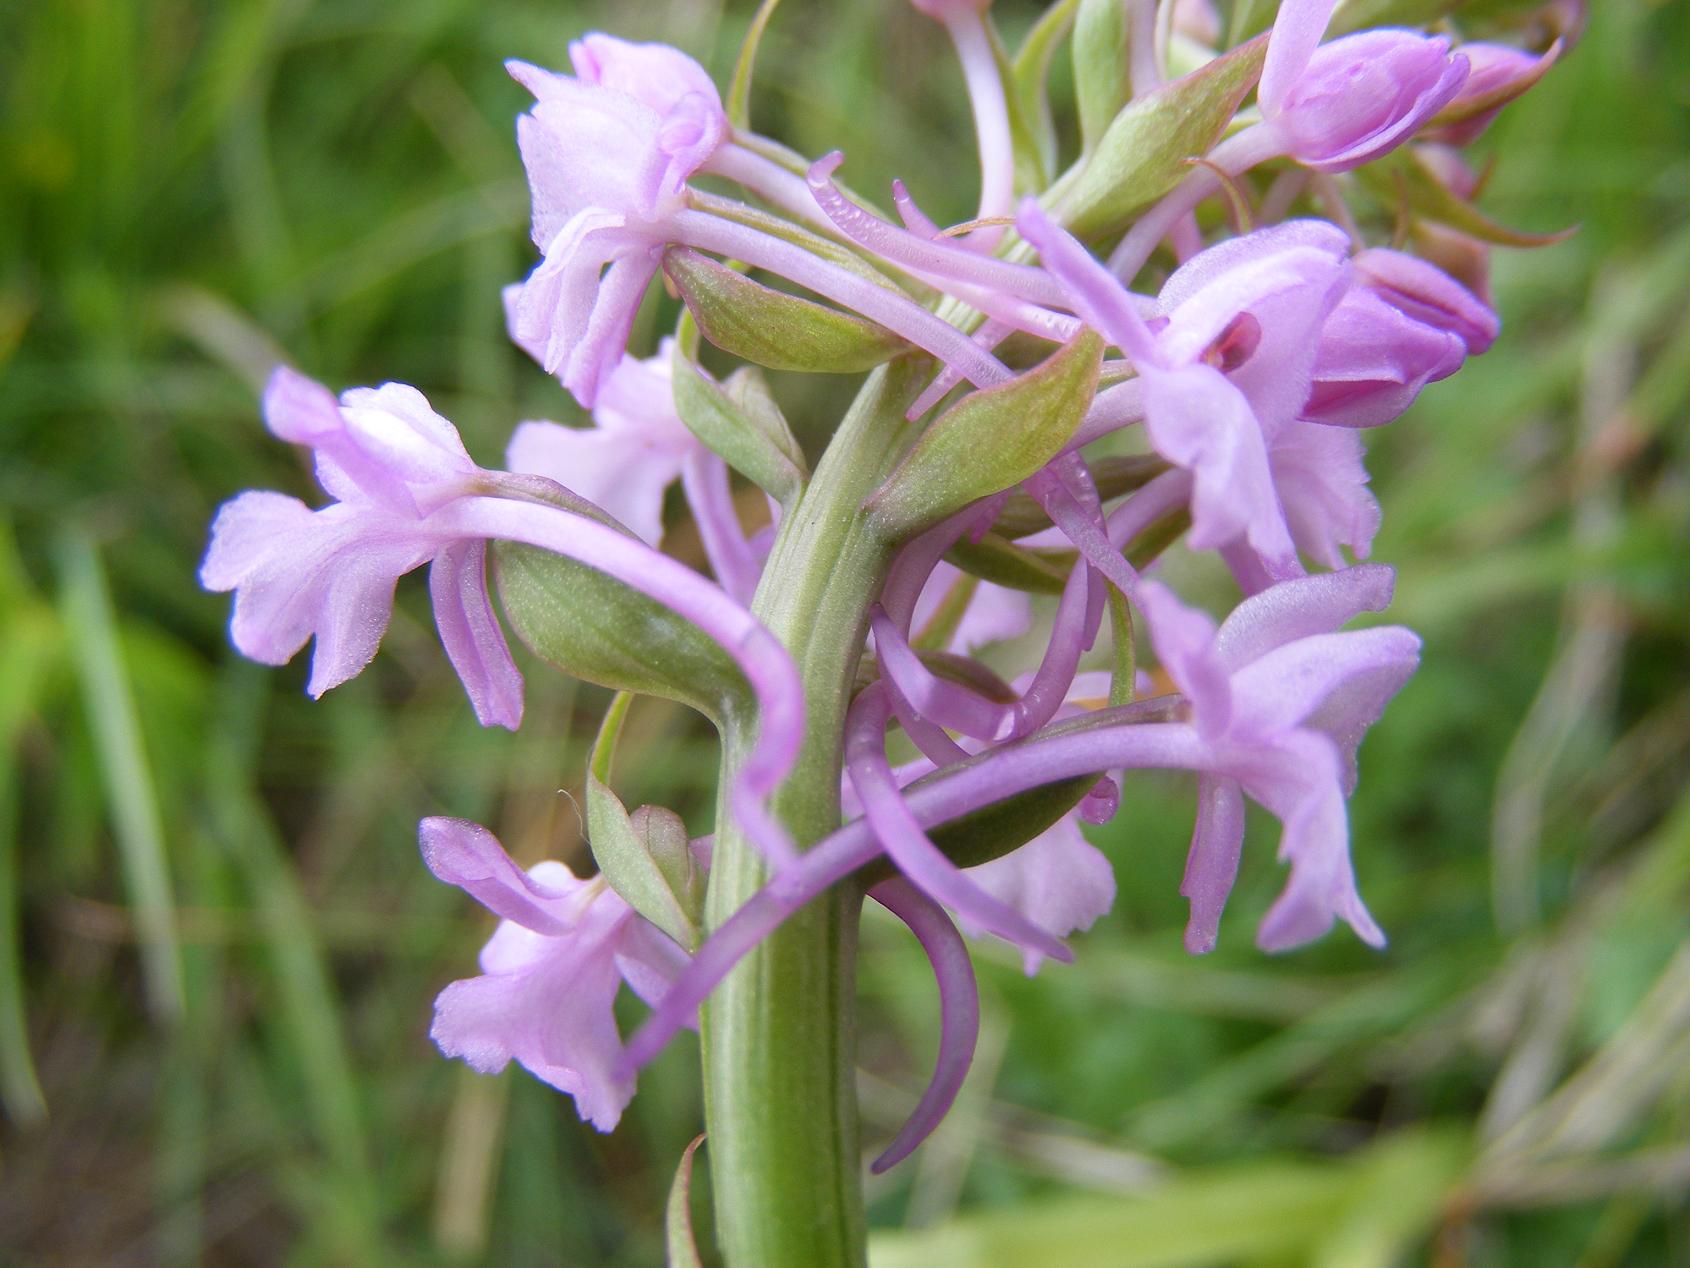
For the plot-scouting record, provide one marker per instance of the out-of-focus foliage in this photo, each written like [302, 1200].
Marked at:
[218, 947]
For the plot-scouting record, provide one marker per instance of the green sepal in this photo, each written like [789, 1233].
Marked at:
[738, 102]
[1102, 85]
[989, 441]
[1003, 563]
[645, 856]
[1030, 74]
[1404, 177]
[593, 627]
[755, 442]
[772, 328]
[1144, 152]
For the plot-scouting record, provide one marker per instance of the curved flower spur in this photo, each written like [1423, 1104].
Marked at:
[1037, 430]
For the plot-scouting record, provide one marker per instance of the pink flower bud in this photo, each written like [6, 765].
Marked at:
[1336, 106]
[1429, 295]
[655, 74]
[1361, 96]
[1497, 75]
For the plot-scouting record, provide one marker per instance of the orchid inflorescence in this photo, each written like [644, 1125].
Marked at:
[1093, 367]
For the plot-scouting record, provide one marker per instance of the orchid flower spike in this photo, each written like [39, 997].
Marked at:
[1336, 106]
[549, 974]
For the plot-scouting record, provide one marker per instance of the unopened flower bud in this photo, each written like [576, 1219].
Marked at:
[1336, 106]
[1497, 75]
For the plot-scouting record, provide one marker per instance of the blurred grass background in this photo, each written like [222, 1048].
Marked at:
[218, 947]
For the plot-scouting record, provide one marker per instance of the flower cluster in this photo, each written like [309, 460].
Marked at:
[1090, 385]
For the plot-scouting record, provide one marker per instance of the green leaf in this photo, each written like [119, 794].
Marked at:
[1030, 75]
[772, 328]
[1278, 1210]
[1143, 154]
[738, 102]
[1102, 84]
[593, 627]
[755, 443]
[645, 856]
[125, 770]
[990, 440]
[677, 1215]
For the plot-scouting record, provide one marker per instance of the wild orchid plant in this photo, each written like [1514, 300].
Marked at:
[1034, 421]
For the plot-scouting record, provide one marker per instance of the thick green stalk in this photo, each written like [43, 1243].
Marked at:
[779, 1042]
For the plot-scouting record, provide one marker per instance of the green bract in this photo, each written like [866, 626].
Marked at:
[1101, 82]
[1144, 152]
[593, 627]
[990, 441]
[772, 328]
[645, 856]
[738, 420]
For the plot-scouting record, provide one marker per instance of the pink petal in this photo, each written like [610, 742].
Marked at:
[1217, 840]
[467, 855]
[1299, 608]
[620, 471]
[959, 1012]
[471, 634]
[1058, 880]
[1323, 487]
[1198, 420]
[1296, 34]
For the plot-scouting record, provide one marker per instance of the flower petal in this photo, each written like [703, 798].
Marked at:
[1059, 880]
[470, 632]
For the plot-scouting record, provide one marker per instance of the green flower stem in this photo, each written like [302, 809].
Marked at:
[779, 1033]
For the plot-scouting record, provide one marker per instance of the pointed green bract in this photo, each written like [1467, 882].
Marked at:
[1144, 152]
[679, 1242]
[755, 442]
[1101, 82]
[772, 328]
[738, 103]
[645, 856]
[593, 627]
[990, 441]
[1404, 177]
[1031, 75]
